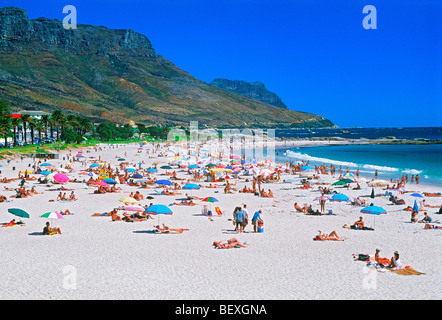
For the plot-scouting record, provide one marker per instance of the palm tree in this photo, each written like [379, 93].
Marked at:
[15, 122]
[45, 122]
[40, 127]
[59, 120]
[5, 120]
[24, 119]
[32, 124]
[5, 127]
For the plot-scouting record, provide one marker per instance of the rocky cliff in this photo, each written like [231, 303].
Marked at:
[116, 75]
[255, 90]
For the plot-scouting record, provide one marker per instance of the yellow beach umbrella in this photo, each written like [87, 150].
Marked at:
[128, 200]
[26, 171]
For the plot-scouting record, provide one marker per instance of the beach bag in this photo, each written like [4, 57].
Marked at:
[364, 257]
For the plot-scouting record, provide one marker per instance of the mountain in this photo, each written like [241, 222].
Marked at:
[116, 75]
[255, 90]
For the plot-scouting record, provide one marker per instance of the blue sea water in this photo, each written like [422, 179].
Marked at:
[391, 161]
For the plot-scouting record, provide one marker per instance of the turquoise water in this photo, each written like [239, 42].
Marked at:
[391, 161]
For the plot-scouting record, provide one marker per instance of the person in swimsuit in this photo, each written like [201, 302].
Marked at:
[228, 244]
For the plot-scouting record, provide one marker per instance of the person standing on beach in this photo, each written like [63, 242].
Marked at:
[239, 220]
[255, 219]
[322, 203]
[246, 216]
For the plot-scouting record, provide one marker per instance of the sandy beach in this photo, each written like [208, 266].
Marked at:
[97, 258]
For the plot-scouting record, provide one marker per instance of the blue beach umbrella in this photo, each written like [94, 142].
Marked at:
[306, 168]
[164, 182]
[339, 197]
[159, 209]
[191, 186]
[417, 195]
[137, 176]
[152, 170]
[110, 181]
[94, 165]
[46, 164]
[374, 210]
[131, 169]
[415, 207]
[193, 166]
[45, 173]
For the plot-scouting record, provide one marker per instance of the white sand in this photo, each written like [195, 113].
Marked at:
[95, 258]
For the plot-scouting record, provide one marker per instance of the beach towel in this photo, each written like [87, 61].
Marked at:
[218, 211]
[407, 271]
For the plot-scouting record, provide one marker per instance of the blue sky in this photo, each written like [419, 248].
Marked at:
[315, 55]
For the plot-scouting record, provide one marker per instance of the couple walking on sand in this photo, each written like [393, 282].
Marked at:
[241, 218]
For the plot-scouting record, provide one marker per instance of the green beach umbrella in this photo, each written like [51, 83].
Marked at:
[18, 212]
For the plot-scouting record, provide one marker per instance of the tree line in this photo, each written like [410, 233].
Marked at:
[69, 128]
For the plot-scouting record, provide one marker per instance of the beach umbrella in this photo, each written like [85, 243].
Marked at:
[210, 199]
[133, 208]
[128, 200]
[131, 169]
[374, 210]
[415, 207]
[191, 186]
[137, 176]
[339, 197]
[45, 173]
[339, 183]
[26, 171]
[372, 193]
[61, 178]
[94, 165]
[101, 183]
[121, 159]
[417, 195]
[109, 181]
[210, 165]
[193, 166]
[52, 215]
[164, 182]
[151, 170]
[18, 212]
[306, 168]
[46, 164]
[159, 209]
[348, 175]
[166, 167]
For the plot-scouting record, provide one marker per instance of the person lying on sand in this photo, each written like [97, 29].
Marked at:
[185, 203]
[431, 226]
[10, 223]
[332, 236]
[168, 193]
[166, 229]
[3, 198]
[192, 197]
[228, 244]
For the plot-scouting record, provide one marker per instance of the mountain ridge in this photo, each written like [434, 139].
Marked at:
[116, 75]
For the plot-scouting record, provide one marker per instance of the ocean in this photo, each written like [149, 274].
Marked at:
[391, 161]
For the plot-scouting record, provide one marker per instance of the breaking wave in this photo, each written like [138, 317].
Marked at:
[344, 164]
